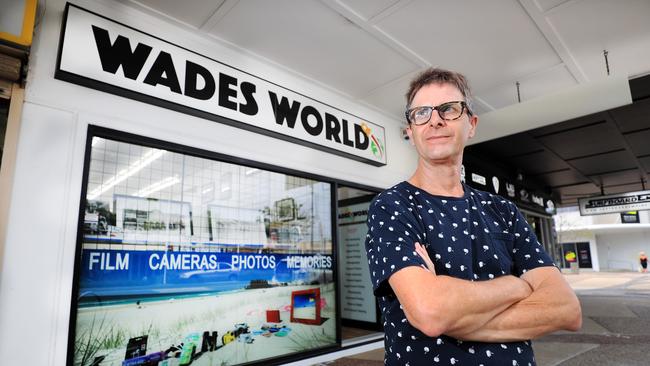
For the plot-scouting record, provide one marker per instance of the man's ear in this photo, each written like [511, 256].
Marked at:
[409, 133]
[473, 122]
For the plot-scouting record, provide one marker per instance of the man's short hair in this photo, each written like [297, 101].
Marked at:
[440, 76]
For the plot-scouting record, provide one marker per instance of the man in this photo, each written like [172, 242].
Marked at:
[461, 277]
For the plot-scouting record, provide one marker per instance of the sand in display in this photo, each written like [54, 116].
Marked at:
[106, 330]
[306, 312]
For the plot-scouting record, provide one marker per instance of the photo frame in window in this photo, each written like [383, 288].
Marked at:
[305, 306]
[286, 209]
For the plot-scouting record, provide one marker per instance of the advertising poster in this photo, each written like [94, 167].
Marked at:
[357, 299]
[172, 278]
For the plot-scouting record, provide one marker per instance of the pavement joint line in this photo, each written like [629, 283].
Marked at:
[569, 357]
[636, 293]
[610, 293]
[615, 338]
[635, 310]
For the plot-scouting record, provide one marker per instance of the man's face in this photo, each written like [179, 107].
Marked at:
[439, 140]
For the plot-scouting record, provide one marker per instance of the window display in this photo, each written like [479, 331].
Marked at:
[189, 260]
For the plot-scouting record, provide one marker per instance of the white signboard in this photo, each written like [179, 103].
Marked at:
[102, 54]
[357, 299]
[622, 202]
[478, 179]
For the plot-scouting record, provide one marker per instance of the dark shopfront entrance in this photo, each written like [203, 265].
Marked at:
[576, 252]
[544, 229]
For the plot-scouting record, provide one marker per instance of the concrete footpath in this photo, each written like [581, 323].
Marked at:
[615, 330]
[615, 323]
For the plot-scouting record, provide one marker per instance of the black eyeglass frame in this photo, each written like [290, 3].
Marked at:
[463, 104]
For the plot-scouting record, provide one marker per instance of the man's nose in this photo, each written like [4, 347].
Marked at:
[436, 121]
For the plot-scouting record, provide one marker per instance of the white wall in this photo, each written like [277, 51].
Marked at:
[37, 269]
[595, 256]
[621, 251]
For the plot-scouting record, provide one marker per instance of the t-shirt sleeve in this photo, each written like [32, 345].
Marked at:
[390, 242]
[527, 253]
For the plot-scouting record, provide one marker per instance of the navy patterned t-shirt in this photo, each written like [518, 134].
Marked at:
[477, 237]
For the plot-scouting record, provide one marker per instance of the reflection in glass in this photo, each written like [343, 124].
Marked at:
[183, 257]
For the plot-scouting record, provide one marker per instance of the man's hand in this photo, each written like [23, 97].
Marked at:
[422, 252]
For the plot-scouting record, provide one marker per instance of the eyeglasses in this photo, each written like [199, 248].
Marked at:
[447, 111]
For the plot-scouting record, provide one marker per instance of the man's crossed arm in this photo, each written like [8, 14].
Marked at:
[505, 309]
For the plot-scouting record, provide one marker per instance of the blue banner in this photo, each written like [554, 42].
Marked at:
[128, 273]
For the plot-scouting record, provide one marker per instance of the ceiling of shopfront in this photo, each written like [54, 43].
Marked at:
[606, 152]
[368, 50]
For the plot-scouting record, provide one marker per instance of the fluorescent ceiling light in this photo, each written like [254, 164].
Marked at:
[167, 182]
[251, 171]
[225, 189]
[578, 101]
[145, 160]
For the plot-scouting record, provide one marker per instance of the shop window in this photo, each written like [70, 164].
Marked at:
[188, 259]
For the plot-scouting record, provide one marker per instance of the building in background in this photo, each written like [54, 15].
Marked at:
[608, 242]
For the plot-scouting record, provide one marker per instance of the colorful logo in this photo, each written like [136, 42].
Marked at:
[375, 146]
[570, 256]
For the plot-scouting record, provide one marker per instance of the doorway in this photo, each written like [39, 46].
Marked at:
[544, 229]
[359, 308]
[576, 252]
[4, 114]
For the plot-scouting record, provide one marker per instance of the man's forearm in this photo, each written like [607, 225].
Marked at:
[473, 304]
[446, 304]
[552, 306]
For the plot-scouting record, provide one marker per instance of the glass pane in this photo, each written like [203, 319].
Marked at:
[358, 303]
[186, 259]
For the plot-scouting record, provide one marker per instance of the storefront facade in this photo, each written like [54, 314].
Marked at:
[74, 143]
[175, 199]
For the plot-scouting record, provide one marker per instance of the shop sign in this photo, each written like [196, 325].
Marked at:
[511, 189]
[630, 217]
[519, 194]
[99, 53]
[112, 269]
[622, 202]
[477, 178]
[495, 184]
[550, 207]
